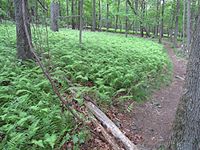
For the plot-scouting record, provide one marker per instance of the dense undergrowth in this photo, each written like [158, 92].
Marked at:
[111, 68]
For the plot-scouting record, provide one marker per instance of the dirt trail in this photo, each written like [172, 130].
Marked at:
[152, 120]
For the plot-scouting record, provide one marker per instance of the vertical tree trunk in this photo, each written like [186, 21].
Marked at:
[126, 18]
[141, 22]
[107, 15]
[184, 12]
[93, 15]
[73, 14]
[81, 21]
[117, 16]
[67, 11]
[23, 49]
[67, 7]
[54, 15]
[100, 20]
[186, 131]
[188, 23]
[176, 22]
[157, 18]
[162, 21]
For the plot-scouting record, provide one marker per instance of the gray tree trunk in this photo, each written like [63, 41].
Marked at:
[162, 21]
[186, 129]
[93, 15]
[184, 12]
[117, 16]
[126, 18]
[54, 15]
[176, 22]
[188, 24]
[73, 14]
[23, 49]
[107, 15]
[100, 20]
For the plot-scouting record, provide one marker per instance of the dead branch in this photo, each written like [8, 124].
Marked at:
[109, 125]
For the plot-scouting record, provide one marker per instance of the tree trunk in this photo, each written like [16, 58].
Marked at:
[23, 49]
[54, 15]
[141, 23]
[73, 14]
[186, 131]
[93, 15]
[126, 18]
[100, 20]
[176, 22]
[157, 18]
[117, 16]
[81, 21]
[162, 21]
[188, 24]
[184, 11]
[107, 15]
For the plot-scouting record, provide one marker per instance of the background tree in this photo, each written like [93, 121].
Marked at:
[93, 15]
[54, 15]
[188, 23]
[23, 49]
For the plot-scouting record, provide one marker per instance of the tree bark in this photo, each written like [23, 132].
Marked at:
[188, 23]
[54, 15]
[93, 15]
[184, 12]
[126, 18]
[23, 49]
[117, 16]
[107, 15]
[162, 21]
[100, 20]
[176, 22]
[73, 14]
[186, 131]
[81, 21]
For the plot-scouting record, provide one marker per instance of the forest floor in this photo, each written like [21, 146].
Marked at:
[149, 123]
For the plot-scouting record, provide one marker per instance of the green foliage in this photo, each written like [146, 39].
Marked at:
[110, 62]
[30, 114]
[106, 66]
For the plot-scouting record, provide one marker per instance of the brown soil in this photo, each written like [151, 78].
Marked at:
[149, 124]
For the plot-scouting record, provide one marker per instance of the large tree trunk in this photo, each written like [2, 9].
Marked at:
[93, 15]
[23, 49]
[176, 22]
[186, 129]
[188, 24]
[54, 15]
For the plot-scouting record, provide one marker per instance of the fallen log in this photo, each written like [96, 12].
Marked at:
[109, 125]
[108, 137]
